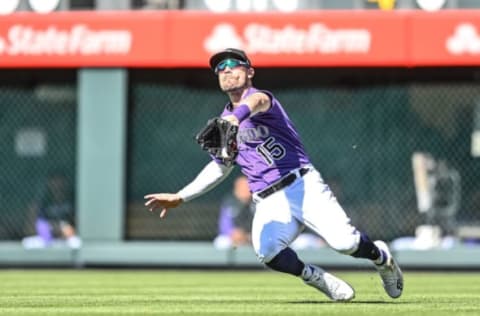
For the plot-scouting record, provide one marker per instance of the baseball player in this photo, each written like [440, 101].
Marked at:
[289, 192]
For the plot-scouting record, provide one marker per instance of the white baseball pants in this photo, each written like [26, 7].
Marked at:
[307, 202]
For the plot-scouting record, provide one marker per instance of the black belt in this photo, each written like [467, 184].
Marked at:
[282, 183]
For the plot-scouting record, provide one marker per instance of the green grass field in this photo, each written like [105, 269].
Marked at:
[157, 292]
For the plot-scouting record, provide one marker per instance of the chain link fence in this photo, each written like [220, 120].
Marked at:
[361, 132]
[38, 141]
[360, 128]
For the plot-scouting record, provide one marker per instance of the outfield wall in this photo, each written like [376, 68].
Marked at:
[204, 255]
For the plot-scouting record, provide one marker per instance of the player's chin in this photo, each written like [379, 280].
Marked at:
[232, 88]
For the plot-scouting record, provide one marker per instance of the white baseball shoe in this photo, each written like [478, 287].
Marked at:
[390, 272]
[333, 287]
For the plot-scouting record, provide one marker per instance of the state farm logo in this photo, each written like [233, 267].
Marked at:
[78, 40]
[316, 38]
[465, 40]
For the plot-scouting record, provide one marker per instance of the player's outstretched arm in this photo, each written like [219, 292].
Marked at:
[163, 201]
[207, 179]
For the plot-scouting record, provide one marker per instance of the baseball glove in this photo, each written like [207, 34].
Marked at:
[219, 138]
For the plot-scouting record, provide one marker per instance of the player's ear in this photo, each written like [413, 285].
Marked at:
[250, 72]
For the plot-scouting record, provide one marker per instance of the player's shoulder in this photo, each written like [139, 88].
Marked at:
[260, 99]
[260, 92]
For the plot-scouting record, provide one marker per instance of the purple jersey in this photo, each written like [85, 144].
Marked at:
[269, 145]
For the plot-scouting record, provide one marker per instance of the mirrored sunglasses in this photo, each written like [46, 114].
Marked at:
[230, 63]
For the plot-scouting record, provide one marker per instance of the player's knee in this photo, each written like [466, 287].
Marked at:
[266, 255]
[345, 246]
[347, 250]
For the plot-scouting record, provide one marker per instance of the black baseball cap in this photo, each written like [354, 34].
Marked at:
[228, 53]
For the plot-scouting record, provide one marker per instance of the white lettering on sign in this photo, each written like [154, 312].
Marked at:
[316, 38]
[78, 40]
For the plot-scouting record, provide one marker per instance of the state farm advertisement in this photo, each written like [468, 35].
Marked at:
[310, 38]
[77, 39]
[455, 39]
[188, 38]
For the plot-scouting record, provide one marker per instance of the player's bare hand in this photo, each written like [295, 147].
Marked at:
[232, 119]
[162, 201]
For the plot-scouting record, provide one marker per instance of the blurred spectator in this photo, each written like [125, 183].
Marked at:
[236, 214]
[54, 215]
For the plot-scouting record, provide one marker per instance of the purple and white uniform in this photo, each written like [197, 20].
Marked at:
[269, 150]
[269, 146]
